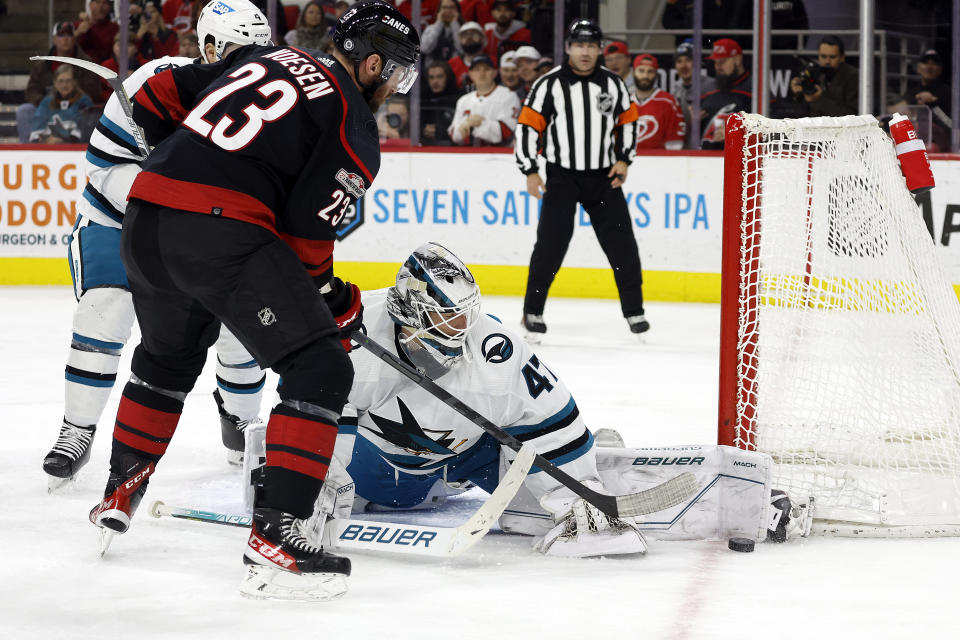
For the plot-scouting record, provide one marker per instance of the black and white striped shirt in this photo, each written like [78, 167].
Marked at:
[577, 122]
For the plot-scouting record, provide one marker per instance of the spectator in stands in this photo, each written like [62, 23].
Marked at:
[487, 115]
[113, 63]
[660, 120]
[733, 92]
[189, 45]
[311, 30]
[57, 118]
[95, 30]
[544, 64]
[477, 11]
[616, 57]
[472, 42]
[832, 89]
[41, 77]
[933, 92]
[683, 64]
[439, 104]
[527, 59]
[505, 32]
[179, 15]
[156, 40]
[510, 76]
[717, 14]
[393, 119]
[428, 9]
[339, 8]
[441, 40]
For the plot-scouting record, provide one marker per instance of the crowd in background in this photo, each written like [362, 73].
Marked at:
[480, 59]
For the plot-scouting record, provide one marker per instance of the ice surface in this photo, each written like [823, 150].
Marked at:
[175, 579]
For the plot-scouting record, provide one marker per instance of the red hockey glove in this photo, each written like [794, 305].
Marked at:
[343, 299]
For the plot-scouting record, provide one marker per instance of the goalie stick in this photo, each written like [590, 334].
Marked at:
[658, 498]
[392, 537]
[116, 84]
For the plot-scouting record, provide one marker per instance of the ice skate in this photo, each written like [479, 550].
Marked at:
[281, 564]
[586, 531]
[533, 328]
[232, 429]
[68, 455]
[120, 499]
[638, 324]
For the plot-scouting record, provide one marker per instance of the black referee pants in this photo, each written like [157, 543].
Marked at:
[610, 218]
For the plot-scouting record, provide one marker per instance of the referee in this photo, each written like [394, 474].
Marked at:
[580, 117]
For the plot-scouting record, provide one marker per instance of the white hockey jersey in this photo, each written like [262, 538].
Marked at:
[503, 380]
[113, 160]
[499, 109]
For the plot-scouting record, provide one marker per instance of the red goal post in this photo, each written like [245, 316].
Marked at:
[840, 334]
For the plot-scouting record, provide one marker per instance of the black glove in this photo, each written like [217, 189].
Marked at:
[343, 299]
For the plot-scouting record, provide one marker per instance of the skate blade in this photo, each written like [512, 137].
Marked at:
[267, 583]
[106, 537]
[56, 485]
[532, 338]
[235, 458]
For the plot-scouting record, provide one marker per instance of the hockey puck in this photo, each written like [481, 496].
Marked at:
[743, 545]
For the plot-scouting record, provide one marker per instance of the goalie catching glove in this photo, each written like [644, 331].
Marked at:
[586, 531]
[343, 299]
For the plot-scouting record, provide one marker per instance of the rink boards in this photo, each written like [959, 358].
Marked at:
[474, 203]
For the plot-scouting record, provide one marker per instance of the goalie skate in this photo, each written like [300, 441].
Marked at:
[283, 565]
[68, 455]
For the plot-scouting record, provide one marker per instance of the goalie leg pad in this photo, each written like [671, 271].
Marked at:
[734, 500]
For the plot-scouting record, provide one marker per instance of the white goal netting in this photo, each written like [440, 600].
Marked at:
[848, 337]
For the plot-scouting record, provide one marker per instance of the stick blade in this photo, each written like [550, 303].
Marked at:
[479, 524]
[103, 72]
[663, 496]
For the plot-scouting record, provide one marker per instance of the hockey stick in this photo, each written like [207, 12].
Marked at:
[658, 498]
[116, 84]
[390, 537]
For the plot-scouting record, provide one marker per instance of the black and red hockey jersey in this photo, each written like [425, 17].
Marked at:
[274, 136]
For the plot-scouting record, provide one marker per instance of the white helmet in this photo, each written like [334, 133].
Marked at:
[231, 21]
[438, 300]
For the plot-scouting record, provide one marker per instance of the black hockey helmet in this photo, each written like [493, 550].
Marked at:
[375, 27]
[584, 31]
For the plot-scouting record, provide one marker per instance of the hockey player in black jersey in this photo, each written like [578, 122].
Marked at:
[233, 220]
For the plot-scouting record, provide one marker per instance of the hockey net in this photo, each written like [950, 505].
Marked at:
[840, 336]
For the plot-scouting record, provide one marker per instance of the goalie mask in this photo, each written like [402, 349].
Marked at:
[437, 300]
[231, 21]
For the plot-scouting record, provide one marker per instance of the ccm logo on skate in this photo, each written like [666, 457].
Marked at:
[387, 535]
[135, 480]
[652, 462]
[274, 554]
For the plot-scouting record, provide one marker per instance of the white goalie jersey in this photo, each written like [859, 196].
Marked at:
[113, 160]
[503, 380]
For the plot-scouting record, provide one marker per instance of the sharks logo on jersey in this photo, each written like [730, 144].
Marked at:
[496, 348]
[410, 436]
